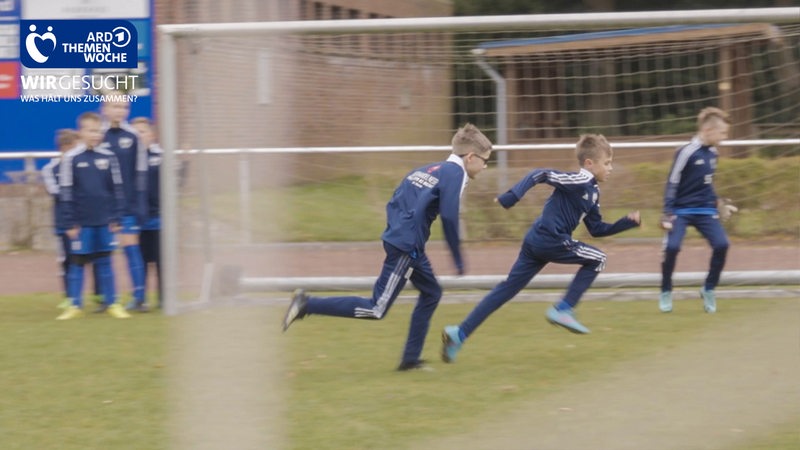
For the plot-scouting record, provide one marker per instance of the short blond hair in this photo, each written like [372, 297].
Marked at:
[469, 139]
[66, 138]
[138, 120]
[89, 116]
[592, 146]
[712, 113]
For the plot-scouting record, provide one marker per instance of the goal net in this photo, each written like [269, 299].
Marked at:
[287, 137]
[256, 112]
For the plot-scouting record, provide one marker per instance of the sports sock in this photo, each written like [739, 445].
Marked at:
[75, 284]
[105, 276]
[136, 270]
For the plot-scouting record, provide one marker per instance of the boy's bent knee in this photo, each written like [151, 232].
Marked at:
[721, 246]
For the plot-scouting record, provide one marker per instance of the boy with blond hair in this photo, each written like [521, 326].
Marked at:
[426, 192]
[92, 200]
[575, 199]
[689, 199]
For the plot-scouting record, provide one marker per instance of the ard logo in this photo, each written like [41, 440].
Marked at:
[101, 164]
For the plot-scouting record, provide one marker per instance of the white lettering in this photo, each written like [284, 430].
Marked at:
[81, 47]
[100, 36]
[105, 57]
[78, 82]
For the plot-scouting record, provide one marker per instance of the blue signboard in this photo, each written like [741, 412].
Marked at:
[37, 98]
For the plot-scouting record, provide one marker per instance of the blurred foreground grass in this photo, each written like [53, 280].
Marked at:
[100, 383]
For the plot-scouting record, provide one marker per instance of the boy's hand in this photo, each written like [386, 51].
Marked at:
[114, 227]
[73, 232]
[636, 217]
[506, 200]
[726, 208]
[666, 222]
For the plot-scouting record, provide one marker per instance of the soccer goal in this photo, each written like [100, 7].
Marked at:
[288, 134]
[284, 140]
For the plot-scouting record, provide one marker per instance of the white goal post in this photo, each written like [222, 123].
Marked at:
[169, 81]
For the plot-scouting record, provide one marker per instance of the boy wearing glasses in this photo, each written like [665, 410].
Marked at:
[426, 192]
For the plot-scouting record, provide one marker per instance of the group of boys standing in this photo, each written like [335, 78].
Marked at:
[105, 186]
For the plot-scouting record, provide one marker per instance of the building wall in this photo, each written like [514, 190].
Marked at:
[267, 91]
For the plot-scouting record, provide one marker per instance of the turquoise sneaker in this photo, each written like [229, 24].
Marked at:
[665, 302]
[709, 301]
[565, 319]
[451, 343]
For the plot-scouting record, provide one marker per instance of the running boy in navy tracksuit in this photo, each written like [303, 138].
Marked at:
[689, 199]
[429, 191]
[576, 198]
[92, 199]
[122, 139]
[150, 237]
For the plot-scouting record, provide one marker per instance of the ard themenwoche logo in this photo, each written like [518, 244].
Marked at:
[65, 44]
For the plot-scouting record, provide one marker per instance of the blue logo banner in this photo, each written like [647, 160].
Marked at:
[75, 44]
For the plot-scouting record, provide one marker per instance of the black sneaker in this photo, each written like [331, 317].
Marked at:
[101, 309]
[414, 365]
[297, 309]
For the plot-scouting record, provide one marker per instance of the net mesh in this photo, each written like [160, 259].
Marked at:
[236, 211]
[416, 88]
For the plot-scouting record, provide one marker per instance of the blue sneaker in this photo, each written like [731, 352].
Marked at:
[451, 343]
[565, 319]
[709, 301]
[665, 302]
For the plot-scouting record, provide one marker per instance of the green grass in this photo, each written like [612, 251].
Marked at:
[100, 383]
[82, 384]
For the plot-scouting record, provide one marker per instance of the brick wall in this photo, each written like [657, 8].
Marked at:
[261, 91]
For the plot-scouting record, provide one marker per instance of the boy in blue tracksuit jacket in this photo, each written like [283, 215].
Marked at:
[575, 199]
[92, 203]
[429, 191]
[121, 138]
[689, 199]
[150, 237]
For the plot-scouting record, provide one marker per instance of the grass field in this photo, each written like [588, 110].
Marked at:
[100, 383]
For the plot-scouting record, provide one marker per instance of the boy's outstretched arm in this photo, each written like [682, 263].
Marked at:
[515, 194]
[597, 228]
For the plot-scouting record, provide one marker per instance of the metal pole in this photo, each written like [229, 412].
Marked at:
[478, 23]
[501, 118]
[167, 125]
[244, 197]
